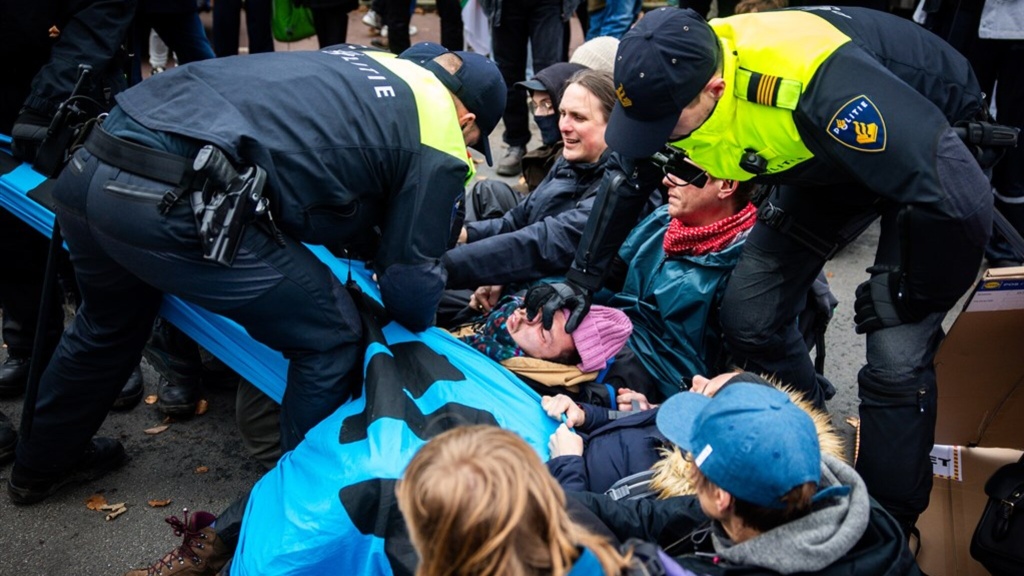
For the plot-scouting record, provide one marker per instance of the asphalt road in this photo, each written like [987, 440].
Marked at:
[62, 536]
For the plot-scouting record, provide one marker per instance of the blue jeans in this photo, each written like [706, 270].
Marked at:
[614, 19]
[182, 32]
[126, 254]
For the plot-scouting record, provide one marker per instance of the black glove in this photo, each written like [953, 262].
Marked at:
[28, 133]
[550, 298]
[879, 301]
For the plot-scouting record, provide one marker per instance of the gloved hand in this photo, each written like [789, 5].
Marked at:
[28, 133]
[878, 301]
[550, 298]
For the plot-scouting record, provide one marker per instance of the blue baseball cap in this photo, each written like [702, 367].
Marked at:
[662, 64]
[749, 439]
[478, 84]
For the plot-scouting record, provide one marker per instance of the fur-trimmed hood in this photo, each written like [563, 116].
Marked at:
[671, 474]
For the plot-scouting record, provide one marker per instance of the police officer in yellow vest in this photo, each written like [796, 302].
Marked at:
[849, 112]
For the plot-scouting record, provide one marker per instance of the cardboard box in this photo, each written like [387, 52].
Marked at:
[980, 370]
[955, 508]
[980, 367]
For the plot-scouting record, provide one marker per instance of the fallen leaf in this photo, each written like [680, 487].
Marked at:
[112, 507]
[151, 399]
[478, 160]
[853, 421]
[116, 513]
[95, 501]
[156, 429]
[202, 407]
[202, 469]
[481, 177]
[159, 503]
[829, 274]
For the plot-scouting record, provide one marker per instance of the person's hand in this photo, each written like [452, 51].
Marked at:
[550, 298]
[555, 406]
[565, 442]
[707, 386]
[28, 133]
[485, 298]
[877, 303]
[628, 400]
[463, 236]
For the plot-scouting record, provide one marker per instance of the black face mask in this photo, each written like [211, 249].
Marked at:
[549, 132]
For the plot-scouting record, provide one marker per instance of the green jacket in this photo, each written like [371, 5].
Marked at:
[673, 302]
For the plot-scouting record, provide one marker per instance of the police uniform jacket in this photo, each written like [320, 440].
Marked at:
[355, 144]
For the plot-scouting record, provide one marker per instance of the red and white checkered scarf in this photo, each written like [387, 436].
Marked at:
[681, 239]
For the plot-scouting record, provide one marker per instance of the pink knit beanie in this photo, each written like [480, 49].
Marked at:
[600, 336]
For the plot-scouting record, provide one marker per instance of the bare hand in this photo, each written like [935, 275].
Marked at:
[485, 298]
[565, 442]
[626, 399]
[463, 236]
[555, 406]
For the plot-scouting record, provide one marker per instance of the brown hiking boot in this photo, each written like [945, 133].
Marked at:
[201, 553]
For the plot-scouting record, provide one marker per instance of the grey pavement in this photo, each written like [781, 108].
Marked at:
[61, 536]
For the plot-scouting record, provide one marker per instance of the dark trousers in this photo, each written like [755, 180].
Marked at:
[331, 25]
[450, 12]
[397, 15]
[767, 290]
[126, 254]
[227, 19]
[183, 33]
[23, 262]
[537, 23]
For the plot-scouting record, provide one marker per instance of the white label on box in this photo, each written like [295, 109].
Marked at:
[946, 462]
[994, 295]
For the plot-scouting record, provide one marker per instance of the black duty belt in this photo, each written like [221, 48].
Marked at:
[147, 162]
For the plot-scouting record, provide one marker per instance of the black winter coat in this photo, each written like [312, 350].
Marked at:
[535, 239]
[613, 449]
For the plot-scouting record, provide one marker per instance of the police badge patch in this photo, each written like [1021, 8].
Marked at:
[859, 125]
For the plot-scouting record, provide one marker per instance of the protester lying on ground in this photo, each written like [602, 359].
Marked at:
[597, 446]
[550, 357]
[777, 503]
[671, 274]
[538, 237]
[478, 502]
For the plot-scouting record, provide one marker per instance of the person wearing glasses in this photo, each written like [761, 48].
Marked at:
[670, 275]
[850, 112]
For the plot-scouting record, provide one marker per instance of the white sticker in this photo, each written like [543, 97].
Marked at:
[946, 462]
[703, 455]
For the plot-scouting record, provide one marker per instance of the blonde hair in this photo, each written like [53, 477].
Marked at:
[479, 502]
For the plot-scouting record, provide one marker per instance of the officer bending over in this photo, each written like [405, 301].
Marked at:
[849, 111]
[348, 141]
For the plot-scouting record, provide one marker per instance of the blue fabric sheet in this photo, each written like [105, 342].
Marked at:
[328, 507]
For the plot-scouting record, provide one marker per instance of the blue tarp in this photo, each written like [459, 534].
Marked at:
[328, 507]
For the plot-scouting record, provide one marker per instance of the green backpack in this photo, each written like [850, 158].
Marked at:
[291, 23]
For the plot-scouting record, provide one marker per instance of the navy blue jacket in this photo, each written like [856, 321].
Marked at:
[355, 144]
[613, 449]
[537, 238]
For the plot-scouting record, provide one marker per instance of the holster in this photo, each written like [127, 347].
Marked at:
[229, 201]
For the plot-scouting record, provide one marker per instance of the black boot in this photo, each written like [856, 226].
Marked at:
[8, 439]
[132, 392]
[13, 376]
[179, 396]
[176, 358]
[103, 455]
